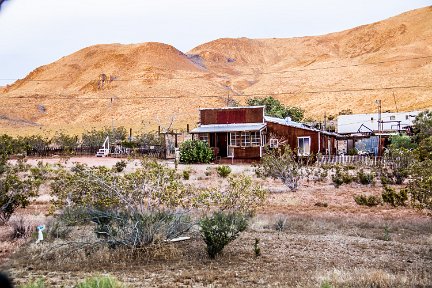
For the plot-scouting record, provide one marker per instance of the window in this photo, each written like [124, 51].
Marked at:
[392, 117]
[255, 138]
[234, 139]
[245, 139]
[304, 146]
[274, 143]
[204, 137]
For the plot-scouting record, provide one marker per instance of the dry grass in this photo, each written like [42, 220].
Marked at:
[342, 245]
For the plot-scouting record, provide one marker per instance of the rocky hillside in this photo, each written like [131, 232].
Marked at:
[151, 84]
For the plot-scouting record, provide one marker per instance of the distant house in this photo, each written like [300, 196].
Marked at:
[369, 133]
[244, 132]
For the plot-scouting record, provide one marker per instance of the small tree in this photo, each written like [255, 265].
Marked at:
[281, 165]
[17, 185]
[274, 108]
[195, 151]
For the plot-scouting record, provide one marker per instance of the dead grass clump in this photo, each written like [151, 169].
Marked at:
[21, 228]
[359, 278]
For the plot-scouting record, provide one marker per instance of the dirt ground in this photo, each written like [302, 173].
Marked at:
[342, 244]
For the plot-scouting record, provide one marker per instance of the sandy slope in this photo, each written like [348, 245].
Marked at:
[151, 83]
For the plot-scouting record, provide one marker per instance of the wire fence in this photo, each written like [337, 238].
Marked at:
[156, 151]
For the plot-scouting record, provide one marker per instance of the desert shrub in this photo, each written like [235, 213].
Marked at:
[100, 282]
[321, 204]
[420, 186]
[369, 201]
[221, 228]
[280, 224]
[58, 229]
[241, 195]
[186, 174]
[365, 178]
[341, 177]
[120, 166]
[389, 195]
[257, 249]
[424, 149]
[21, 229]
[223, 171]
[352, 151]
[18, 184]
[39, 283]
[195, 151]
[281, 165]
[95, 138]
[65, 141]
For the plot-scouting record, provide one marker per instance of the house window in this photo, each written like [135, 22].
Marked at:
[274, 143]
[255, 138]
[204, 137]
[392, 117]
[245, 139]
[235, 139]
[304, 146]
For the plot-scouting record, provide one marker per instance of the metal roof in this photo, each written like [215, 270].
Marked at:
[231, 108]
[215, 128]
[347, 124]
[290, 123]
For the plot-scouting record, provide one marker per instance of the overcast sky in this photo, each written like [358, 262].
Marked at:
[34, 33]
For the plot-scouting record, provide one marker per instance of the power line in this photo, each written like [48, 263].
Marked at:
[242, 74]
[63, 97]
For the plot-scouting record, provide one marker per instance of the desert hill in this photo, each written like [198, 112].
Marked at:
[153, 84]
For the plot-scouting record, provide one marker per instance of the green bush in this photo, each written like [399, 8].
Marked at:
[389, 195]
[369, 201]
[365, 178]
[223, 171]
[195, 151]
[39, 283]
[100, 282]
[186, 174]
[120, 166]
[220, 229]
[341, 177]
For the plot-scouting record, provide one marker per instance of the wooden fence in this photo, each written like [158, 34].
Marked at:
[364, 160]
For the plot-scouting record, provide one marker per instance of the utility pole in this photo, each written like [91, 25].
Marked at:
[325, 121]
[378, 102]
[112, 116]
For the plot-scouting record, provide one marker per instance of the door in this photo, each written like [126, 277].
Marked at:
[222, 144]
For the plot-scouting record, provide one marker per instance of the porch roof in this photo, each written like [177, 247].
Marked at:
[216, 128]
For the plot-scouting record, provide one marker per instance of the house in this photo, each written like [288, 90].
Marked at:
[370, 133]
[236, 132]
[244, 132]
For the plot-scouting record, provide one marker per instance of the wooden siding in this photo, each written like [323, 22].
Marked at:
[246, 152]
[291, 134]
[231, 116]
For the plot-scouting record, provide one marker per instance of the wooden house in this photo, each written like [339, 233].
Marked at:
[235, 132]
[244, 132]
[301, 138]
